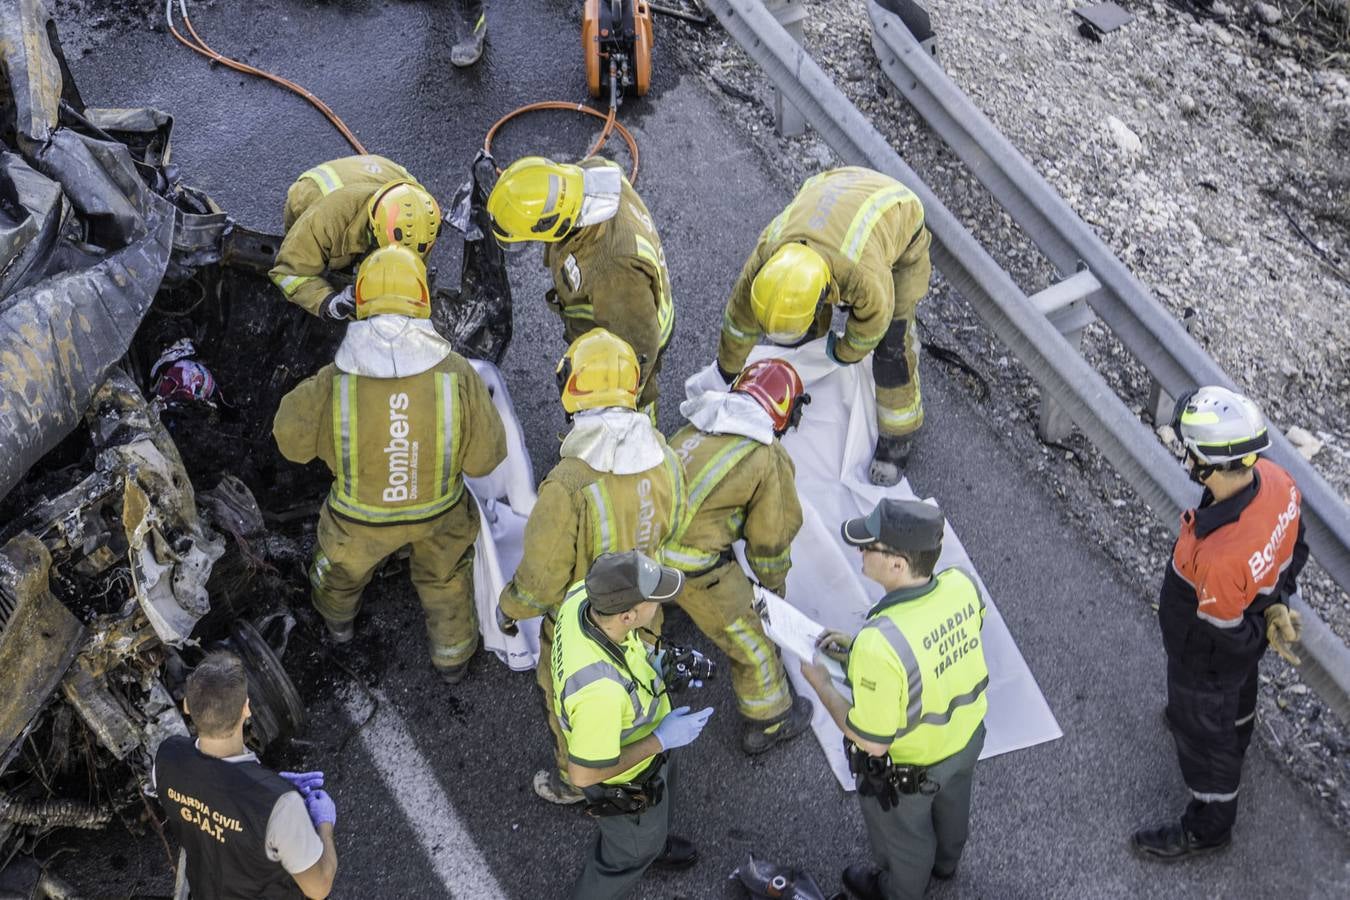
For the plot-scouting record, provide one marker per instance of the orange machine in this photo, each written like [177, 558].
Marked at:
[616, 36]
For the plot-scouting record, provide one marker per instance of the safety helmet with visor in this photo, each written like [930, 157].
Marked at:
[1219, 429]
[598, 370]
[392, 281]
[402, 213]
[775, 385]
[536, 199]
[788, 290]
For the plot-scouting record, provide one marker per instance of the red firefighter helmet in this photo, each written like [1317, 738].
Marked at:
[777, 387]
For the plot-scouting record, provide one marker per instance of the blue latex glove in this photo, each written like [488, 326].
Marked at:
[681, 727]
[320, 807]
[831, 340]
[304, 781]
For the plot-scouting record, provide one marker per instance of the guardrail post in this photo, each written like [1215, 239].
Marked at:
[1064, 303]
[788, 121]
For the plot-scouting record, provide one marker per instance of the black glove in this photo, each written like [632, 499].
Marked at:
[340, 306]
[507, 624]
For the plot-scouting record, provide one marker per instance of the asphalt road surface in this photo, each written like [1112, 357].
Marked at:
[433, 794]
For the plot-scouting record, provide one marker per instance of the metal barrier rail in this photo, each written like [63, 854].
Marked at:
[1062, 373]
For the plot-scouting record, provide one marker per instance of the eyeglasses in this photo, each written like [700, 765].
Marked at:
[877, 547]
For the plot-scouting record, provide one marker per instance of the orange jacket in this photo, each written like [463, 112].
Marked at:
[1231, 561]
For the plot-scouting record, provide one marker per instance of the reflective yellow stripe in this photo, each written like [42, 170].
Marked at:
[899, 418]
[665, 308]
[730, 326]
[858, 343]
[326, 177]
[687, 559]
[708, 478]
[603, 525]
[779, 562]
[289, 284]
[678, 508]
[867, 217]
[579, 311]
[344, 498]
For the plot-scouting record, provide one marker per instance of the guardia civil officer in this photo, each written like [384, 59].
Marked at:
[916, 724]
[1224, 596]
[614, 707]
[247, 832]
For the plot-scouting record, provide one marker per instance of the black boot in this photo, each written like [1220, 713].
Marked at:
[1171, 842]
[469, 48]
[889, 460]
[760, 736]
[862, 881]
[678, 854]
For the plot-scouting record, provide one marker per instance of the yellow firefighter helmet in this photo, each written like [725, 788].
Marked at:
[598, 370]
[536, 199]
[402, 213]
[392, 281]
[787, 290]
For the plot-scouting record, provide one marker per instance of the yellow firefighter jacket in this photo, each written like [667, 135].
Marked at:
[738, 488]
[399, 448]
[581, 513]
[327, 225]
[612, 275]
[861, 222]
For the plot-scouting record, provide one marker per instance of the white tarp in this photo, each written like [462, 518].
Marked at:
[831, 450]
[505, 499]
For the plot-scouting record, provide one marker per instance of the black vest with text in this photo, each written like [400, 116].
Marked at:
[218, 812]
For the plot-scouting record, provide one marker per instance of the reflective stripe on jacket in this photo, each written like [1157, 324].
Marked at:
[861, 222]
[603, 703]
[582, 513]
[738, 488]
[613, 275]
[327, 227]
[399, 447]
[1231, 561]
[918, 672]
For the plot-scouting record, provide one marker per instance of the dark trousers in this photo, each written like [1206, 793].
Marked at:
[625, 847]
[923, 832]
[1212, 720]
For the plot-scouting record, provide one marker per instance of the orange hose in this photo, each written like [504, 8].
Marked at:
[611, 125]
[202, 48]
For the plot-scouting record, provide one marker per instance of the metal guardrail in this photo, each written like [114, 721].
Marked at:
[1062, 373]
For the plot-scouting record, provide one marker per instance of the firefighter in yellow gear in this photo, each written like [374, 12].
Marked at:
[400, 419]
[617, 487]
[742, 486]
[853, 238]
[338, 212]
[603, 252]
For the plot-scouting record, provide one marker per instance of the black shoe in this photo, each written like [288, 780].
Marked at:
[944, 874]
[759, 737]
[679, 854]
[1171, 842]
[468, 50]
[862, 881]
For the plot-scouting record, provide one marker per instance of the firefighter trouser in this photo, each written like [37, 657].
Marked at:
[923, 833]
[1212, 722]
[895, 362]
[650, 391]
[721, 603]
[626, 846]
[543, 676]
[441, 566]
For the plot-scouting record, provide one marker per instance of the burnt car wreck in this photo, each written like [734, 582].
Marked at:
[135, 439]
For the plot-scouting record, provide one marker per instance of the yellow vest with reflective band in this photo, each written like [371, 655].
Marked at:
[708, 459]
[396, 447]
[929, 646]
[583, 670]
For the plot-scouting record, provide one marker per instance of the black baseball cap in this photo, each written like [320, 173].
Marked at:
[899, 524]
[617, 582]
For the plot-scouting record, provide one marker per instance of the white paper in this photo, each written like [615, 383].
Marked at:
[793, 630]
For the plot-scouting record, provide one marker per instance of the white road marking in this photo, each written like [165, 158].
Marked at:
[411, 781]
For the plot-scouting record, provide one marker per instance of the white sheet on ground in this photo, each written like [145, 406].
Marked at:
[831, 450]
[505, 499]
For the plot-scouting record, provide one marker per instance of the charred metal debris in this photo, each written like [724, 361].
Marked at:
[132, 539]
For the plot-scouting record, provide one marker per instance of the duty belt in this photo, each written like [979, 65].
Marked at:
[880, 777]
[630, 798]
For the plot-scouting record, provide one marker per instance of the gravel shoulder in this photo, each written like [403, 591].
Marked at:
[1214, 161]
